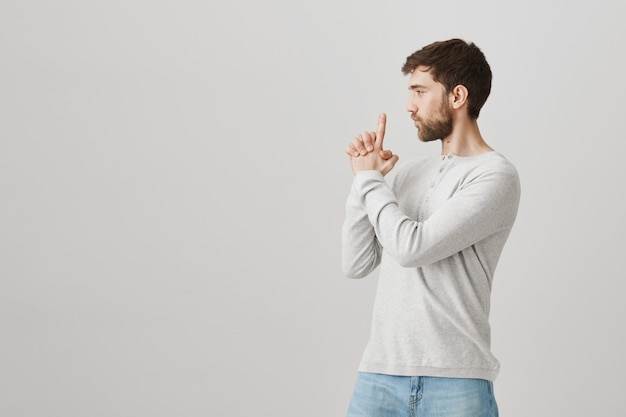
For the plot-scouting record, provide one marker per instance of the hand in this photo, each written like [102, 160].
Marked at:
[366, 151]
[364, 143]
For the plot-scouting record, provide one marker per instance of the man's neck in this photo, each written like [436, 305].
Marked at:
[465, 140]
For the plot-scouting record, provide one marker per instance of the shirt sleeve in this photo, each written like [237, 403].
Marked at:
[360, 249]
[480, 207]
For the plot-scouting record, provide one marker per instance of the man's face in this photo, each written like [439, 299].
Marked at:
[429, 107]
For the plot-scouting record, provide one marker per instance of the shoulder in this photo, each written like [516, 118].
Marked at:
[497, 162]
[493, 165]
[490, 176]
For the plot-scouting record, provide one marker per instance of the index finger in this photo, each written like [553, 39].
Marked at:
[380, 131]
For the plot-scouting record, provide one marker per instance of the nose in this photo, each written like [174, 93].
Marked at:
[410, 106]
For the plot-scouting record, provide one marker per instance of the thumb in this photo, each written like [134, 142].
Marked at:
[389, 164]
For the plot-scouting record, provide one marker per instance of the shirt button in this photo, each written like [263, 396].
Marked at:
[441, 169]
[432, 184]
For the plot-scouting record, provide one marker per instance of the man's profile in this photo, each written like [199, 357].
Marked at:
[436, 228]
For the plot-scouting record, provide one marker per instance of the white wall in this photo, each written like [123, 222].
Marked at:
[173, 179]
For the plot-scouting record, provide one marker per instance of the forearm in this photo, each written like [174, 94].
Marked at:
[396, 232]
[466, 218]
[360, 249]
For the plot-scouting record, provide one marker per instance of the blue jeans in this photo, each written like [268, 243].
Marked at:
[378, 395]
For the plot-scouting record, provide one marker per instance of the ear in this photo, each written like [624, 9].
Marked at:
[458, 96]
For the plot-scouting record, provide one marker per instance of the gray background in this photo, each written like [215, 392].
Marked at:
[173, 181]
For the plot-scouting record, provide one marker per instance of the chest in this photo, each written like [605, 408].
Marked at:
[422, 192]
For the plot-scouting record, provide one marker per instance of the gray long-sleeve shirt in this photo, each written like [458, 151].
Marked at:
[437, 232]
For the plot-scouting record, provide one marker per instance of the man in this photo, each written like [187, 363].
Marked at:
[437, 230]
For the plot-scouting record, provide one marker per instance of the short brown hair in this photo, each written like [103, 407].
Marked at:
[455, 62]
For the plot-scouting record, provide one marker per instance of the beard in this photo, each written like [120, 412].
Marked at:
[438, 126]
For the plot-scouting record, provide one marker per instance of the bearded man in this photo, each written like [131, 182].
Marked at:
[436, 229]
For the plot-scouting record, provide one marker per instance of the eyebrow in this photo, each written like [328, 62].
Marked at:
[416, 86]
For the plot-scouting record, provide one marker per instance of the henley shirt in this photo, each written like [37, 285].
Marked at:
[437, 231]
